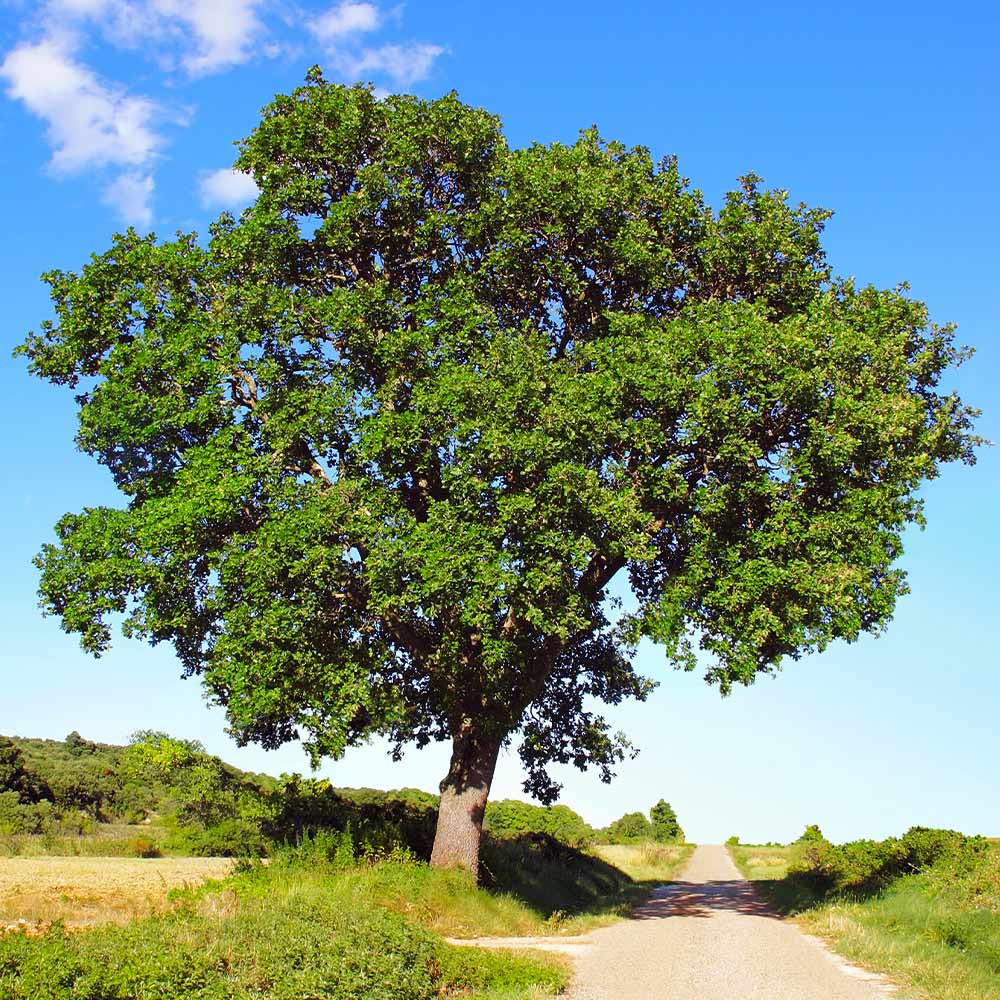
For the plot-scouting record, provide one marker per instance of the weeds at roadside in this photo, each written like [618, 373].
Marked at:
[933, 926]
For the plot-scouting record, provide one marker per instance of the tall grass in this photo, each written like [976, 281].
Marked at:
[647, 863]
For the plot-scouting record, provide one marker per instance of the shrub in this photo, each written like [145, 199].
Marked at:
[144, 847]
[380, 821]
[628, 829]
[511, 818]
[865, 866]
[231, 838]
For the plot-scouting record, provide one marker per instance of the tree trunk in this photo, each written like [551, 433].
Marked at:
[463, 802]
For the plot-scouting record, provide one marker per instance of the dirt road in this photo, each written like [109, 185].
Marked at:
[709, 937]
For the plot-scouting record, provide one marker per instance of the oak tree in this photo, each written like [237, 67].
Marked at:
[386, 440]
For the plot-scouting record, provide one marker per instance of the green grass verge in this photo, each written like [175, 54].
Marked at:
[284, 932]
[936, 933]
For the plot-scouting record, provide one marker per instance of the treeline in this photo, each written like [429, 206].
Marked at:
[187, 801]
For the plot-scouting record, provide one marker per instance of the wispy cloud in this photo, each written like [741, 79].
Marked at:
[339, 31]
[345, 19]
[94, 124]
[131, 195]
[226, 188]
[221, 33]
[90, 123]
[404, 65]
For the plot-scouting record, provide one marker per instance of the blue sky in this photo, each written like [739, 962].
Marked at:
[116, 112]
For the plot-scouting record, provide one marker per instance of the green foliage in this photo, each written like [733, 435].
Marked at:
[665, 827]
[733, 841]
[16, 778]
[289, 936]
[206, 807]
[75, 785]
[301, 807]
[511, 817]
[662, 826]
[628, 829]
[387, 438]
[865, 866]
[811, 834]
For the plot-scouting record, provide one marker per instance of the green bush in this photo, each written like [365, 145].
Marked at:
[231, 838]
[289, 938]
[865, 866]
[380, 821]
[512, 818]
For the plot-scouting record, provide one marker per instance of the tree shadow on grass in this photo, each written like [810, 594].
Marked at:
[551, 877]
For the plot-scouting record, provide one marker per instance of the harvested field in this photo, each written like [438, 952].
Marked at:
[84, 892]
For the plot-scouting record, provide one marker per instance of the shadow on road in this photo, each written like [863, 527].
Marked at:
[700, 899]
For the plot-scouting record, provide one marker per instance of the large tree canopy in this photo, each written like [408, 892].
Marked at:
[387, 438]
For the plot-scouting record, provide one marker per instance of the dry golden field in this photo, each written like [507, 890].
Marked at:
[83, 892]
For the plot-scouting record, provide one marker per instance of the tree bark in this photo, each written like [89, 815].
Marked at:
[464, 792]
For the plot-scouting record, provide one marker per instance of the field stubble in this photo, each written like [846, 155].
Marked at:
[89, 891]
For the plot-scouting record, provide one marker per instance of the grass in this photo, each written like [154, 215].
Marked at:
[935, 933]
[647, 864]
[108, 840]
[757, 863]
[536, 886]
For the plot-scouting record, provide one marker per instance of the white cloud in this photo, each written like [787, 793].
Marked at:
[98, 125]
[89, 123]
[130, 195]
[403, 64]
[202, 36]
[226, 188]
[222, 30]
[347, 18]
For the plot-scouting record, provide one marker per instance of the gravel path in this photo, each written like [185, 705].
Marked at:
[709, 937]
